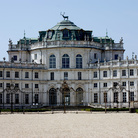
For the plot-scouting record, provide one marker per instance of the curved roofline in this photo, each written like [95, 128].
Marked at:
[65, 24]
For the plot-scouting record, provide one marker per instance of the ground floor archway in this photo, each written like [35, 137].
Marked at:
[52, 96]
[79, 96]
[66, 97]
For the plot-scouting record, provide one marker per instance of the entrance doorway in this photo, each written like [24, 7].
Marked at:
[66, 97]
[79, 96]
[52, 96]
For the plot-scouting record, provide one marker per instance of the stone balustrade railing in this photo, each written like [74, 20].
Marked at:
[30, 65]
[115, 63]
[17, 47]
[66, 44]
[5, 64]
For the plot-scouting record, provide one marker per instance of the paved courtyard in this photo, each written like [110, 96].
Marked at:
[70, 125]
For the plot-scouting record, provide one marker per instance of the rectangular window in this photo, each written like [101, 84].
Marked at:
[52, 76]
[104, 84]
[0, 98]
[26, 74]
[1, 73]
[36, 86]
[7, 84]
[26, 85]
[65, 75]
[95, 55]
[79, 75]
[36, 75]
[115, 84]
[131, 96]
[26, 98]
[7, 98]
[116, 56]
[104, 73]
[124, 83]
[105, 97]
[124, 97]
[95, 74]
[114, 73]
[95, 85]
[7, 74]
[36, 98]
[35, 56]
[0, 85]
[115, 97]
[65, 33]
[123, 72]
[16, 98]
[131, 72]
[15, 58]
[95, 98]
[131, 83]
[17, 85]
[16, 74]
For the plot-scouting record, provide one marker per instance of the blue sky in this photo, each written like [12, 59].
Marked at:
[119, 17]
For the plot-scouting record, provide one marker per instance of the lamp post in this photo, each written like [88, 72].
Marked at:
[11, 90]
[64, 89]
[105, 100]
[77, 100]
[129, 98]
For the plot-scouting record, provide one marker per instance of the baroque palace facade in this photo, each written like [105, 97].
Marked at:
[93, 67]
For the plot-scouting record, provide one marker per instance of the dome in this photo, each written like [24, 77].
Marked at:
[65, 30]
[65, 24]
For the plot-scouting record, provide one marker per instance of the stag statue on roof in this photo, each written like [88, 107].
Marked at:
[65, 17]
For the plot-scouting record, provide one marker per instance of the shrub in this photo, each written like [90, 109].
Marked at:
[136, 110]
[25, 110]
[109, 109]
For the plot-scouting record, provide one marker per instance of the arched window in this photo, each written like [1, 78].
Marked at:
[52, 61]
[52, 96]
[79, 96]
[79, 90]
[65, 61]
[78, 61]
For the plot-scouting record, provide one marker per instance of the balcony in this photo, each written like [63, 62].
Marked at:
[122, 63]
[66, 44]
[21, 65]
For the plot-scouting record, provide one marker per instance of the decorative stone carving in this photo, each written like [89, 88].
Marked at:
[12, 60]
[121, 40]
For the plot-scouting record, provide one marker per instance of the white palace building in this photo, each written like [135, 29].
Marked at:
[93, 67]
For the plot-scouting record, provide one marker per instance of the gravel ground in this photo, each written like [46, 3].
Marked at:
[70, 125]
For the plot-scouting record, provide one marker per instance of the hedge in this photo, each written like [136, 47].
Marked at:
[25, 110]
[109, 109]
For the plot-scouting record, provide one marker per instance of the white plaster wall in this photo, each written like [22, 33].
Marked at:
[92, 51]
[59, 52]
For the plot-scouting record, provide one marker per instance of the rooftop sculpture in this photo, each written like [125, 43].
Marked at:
[65, 17]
